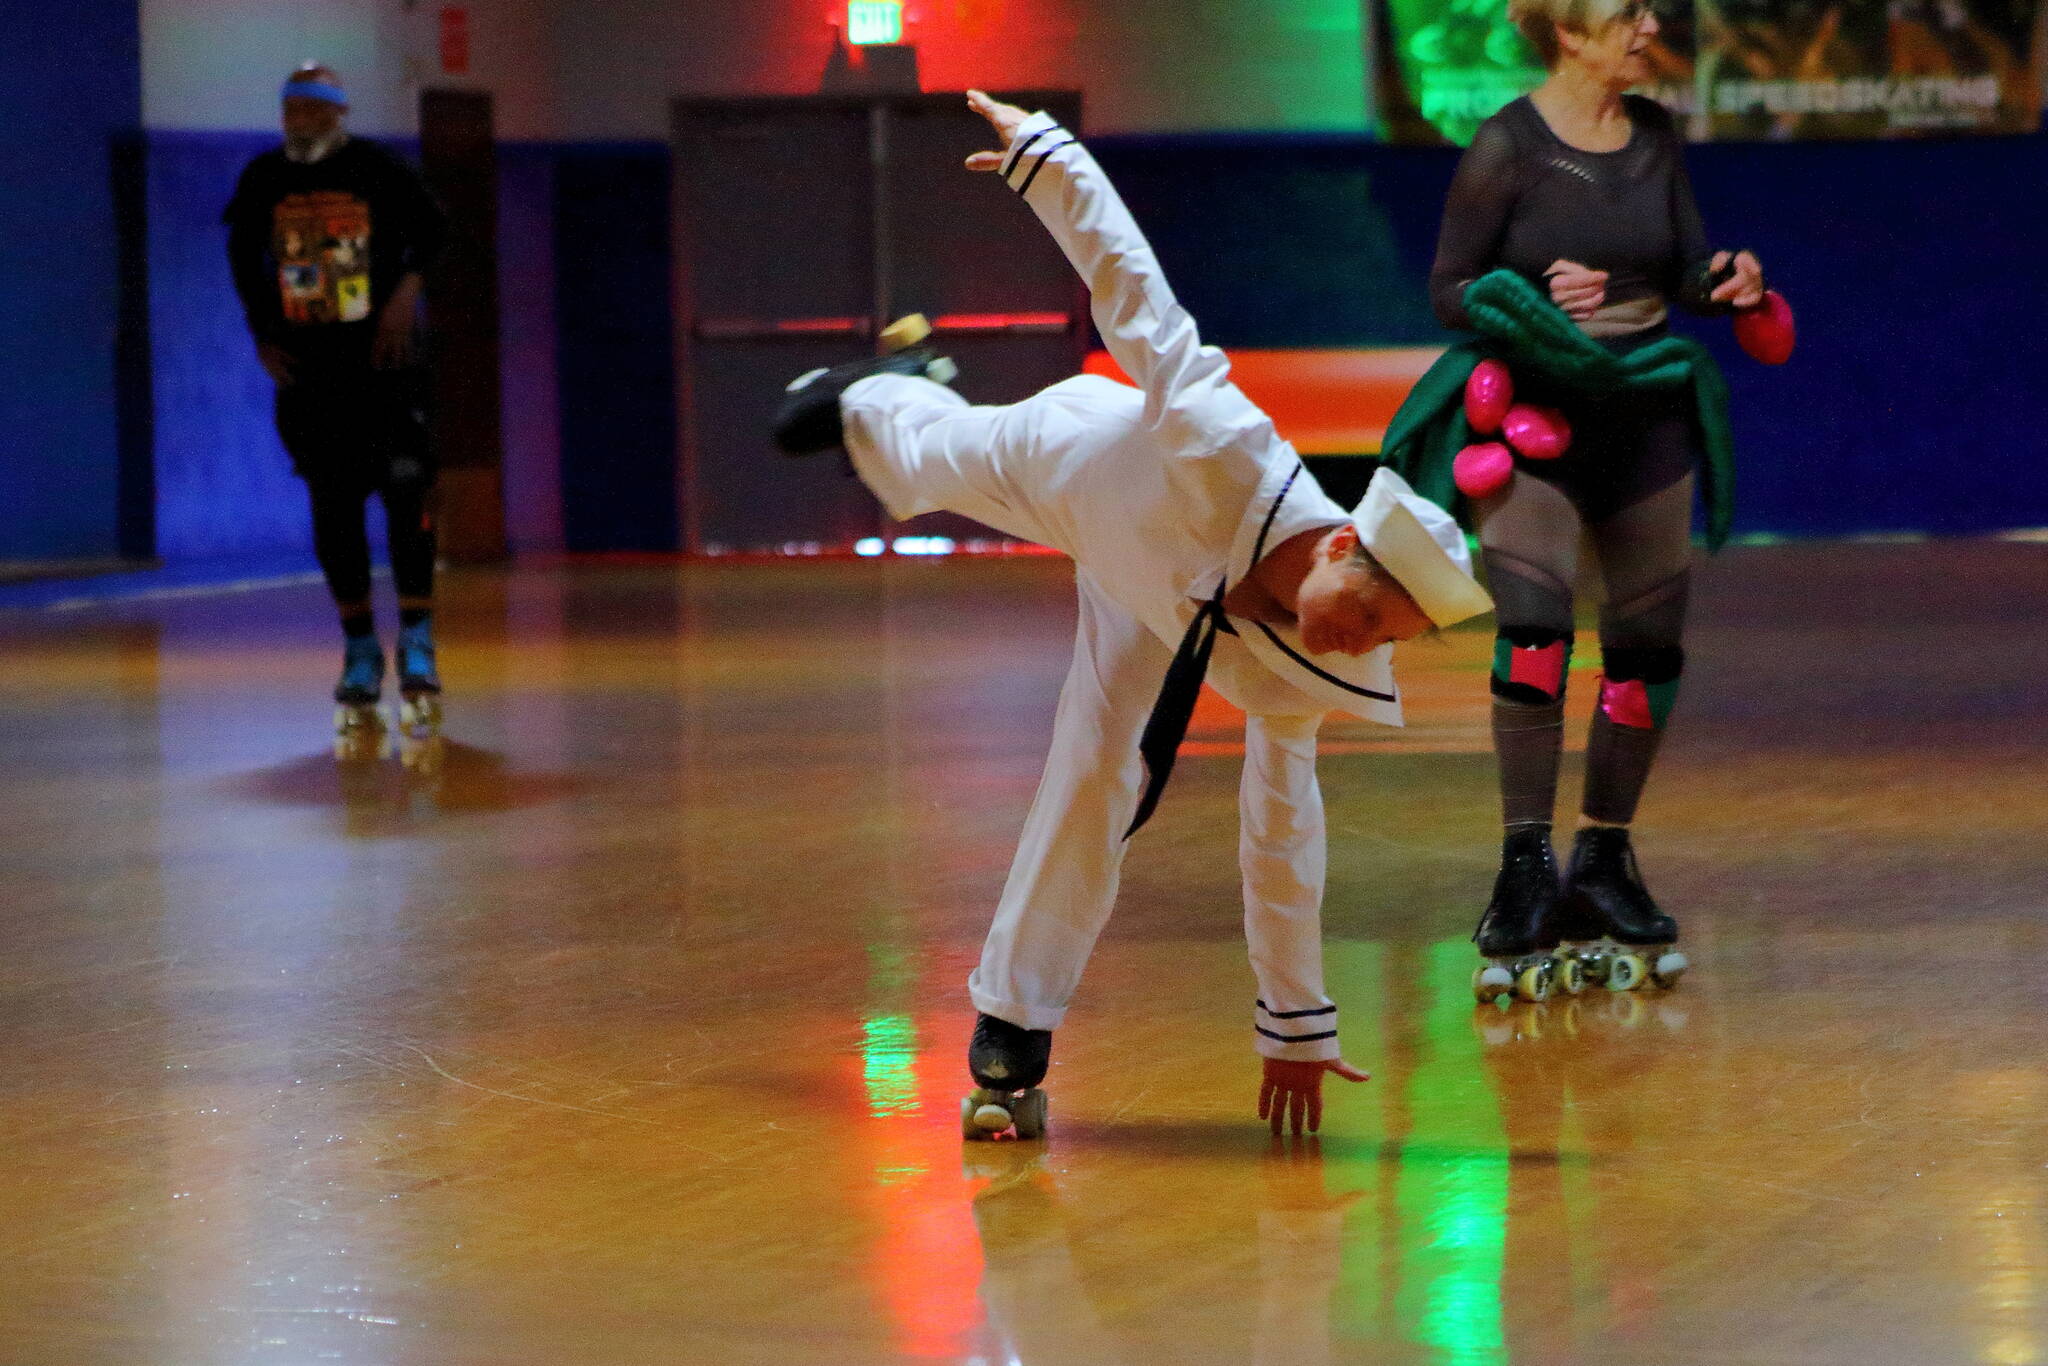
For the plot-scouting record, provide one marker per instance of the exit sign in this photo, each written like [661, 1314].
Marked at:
[874, 21]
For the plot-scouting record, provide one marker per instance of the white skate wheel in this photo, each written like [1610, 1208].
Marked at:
[1625, 972]
[1028, 1113]
[1489, 984]
[992, 1119]
[1668, 968]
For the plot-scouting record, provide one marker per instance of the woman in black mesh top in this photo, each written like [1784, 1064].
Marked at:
[1581, 189]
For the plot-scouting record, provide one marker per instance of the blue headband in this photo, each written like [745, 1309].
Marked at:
[315, 90]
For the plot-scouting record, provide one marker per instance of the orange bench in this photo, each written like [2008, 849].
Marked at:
[1325, 402]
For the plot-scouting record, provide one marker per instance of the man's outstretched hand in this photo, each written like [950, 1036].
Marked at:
[1006, 119]
[1293, 1091]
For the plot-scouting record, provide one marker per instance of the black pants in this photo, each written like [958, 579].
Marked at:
[353, 431]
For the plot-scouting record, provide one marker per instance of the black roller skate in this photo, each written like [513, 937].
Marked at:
[1608, 923]
[1517, 935]
[358, 721]
[809, 421]
[1007, 1062]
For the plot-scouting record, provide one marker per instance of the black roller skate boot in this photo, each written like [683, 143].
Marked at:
[1007, 1062]
[809, 420]
[1609, 924]
[1517, 934]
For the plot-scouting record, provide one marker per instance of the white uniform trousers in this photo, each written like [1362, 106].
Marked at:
[922, 448]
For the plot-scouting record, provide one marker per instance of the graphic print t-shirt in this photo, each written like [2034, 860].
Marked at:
[321, 243]
[317, 249]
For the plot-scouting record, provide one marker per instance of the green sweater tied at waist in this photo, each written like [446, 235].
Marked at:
[1521, 327]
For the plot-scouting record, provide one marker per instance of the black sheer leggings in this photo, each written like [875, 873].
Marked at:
[1628, 494]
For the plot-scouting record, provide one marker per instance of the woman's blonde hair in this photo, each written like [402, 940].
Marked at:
[1540, 20]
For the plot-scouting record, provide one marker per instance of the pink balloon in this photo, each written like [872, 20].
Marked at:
[1767, 331]
[1483, 470]
[1488, 396]
[1539, 433]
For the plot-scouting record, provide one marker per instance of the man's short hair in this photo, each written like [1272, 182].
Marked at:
[1384, 578]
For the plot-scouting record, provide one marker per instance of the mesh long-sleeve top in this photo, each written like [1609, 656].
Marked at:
[1523, 198]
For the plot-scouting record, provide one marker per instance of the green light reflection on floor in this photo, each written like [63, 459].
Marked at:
[889, 1038]
[1453, 1189]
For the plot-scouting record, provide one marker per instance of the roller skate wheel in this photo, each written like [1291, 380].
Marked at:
[972, 1110]
[1625, 972]
[1668, 968]
[1533, 983]
[421, 712]
[1571, 974]
[1491, 983]
[984, 1116]
[1027, 1113]
[351, 717]
[906, 332]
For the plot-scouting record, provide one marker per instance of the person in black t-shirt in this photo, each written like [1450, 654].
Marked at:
[328, 237]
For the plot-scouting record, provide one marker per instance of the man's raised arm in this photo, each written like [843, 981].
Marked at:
[1143, 325]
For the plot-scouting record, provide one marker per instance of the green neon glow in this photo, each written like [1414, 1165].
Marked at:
[889, 1065]
[1461, 60]
[874, 21]
[1453, 1194]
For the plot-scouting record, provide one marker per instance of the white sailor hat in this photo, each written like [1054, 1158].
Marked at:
[1422, 546]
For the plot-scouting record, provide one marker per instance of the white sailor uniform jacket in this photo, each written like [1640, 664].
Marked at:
[1185, 483]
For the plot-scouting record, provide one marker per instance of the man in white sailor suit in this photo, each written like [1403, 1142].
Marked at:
[1202, 547]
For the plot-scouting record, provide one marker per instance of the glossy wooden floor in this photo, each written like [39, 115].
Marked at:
[634, 1035]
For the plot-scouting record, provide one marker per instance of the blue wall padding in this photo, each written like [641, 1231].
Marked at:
[1919, 279]
[616, 347]
[224, 484]
[1289, 241]
[1915, 269]
[70, 106]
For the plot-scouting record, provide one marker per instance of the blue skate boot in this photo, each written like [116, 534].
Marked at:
[419, 683]
[1007, 1062]
[809, 420]
[358, 722]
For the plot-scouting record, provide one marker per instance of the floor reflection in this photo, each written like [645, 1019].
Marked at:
[389, 793]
